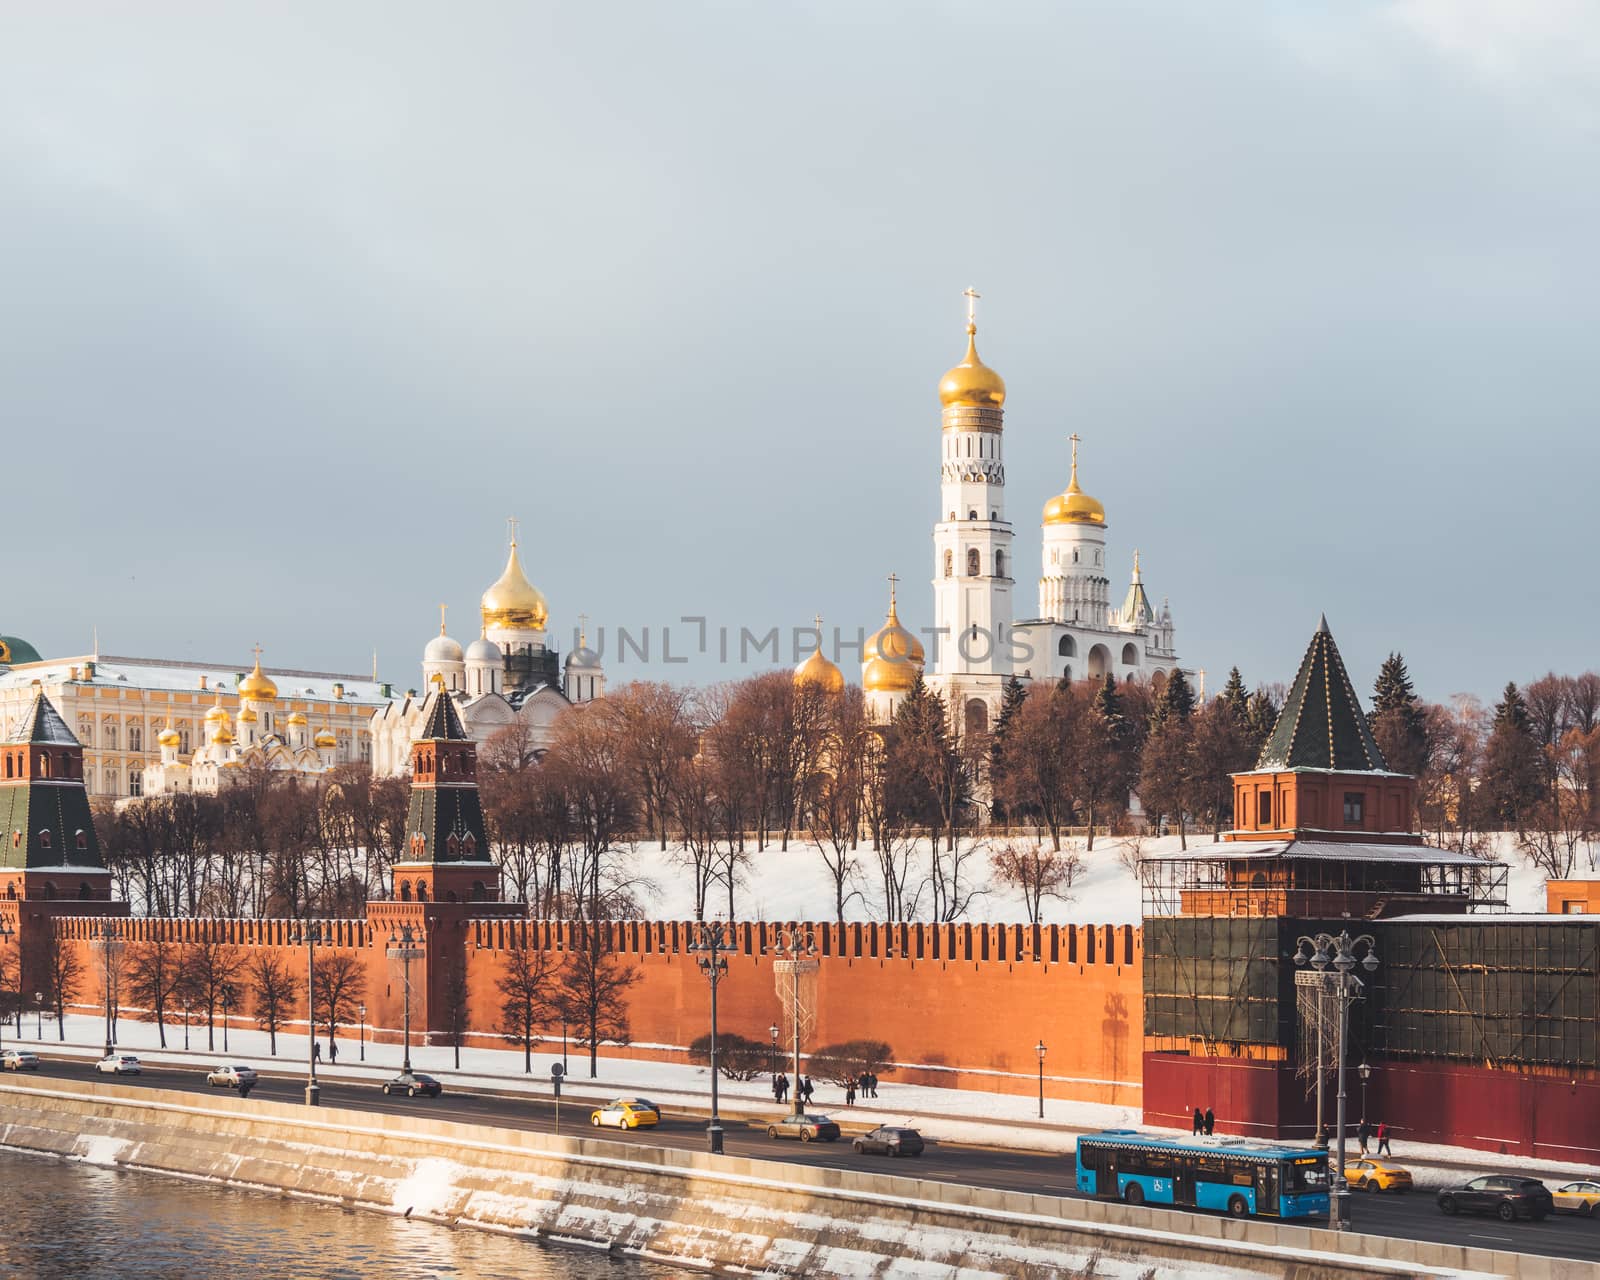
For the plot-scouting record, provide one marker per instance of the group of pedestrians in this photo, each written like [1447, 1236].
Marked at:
[803, 1091]
[866, 1084]
[1366, 1132]
[1204, 1122]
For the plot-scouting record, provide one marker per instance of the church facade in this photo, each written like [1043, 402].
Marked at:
[511, 674]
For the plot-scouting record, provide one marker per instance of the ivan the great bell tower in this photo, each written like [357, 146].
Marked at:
[972, 542]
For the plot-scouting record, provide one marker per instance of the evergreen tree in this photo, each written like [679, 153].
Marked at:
[1512, 765]
[1105, 757]
[1234, 697]
[1010, 703]
[1176, 700]
[1261, 719]
[1398, 720]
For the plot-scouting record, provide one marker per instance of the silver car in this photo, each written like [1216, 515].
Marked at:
[230, 1077]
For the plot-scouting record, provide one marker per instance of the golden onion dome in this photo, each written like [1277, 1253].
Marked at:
[325, 738]
[514, 602]
[297, 719]
[169, 737]
[217, 715]
[972, 382]
[258, 686]
[818, 672]
[894, 656]
[248, 716]
[223, 735]
[1074, 506]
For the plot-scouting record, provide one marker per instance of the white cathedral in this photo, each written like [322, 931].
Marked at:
[981, 645]
[511, 674]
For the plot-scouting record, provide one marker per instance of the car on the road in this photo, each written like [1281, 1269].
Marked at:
[411, 1083]
[19, 1060]
[808, 1128]
[231, 1077]
[1377, 1175]
[626, 1113]
[1577, 1197]
[118, 1064]
[1505, 1195]
[889, 1140]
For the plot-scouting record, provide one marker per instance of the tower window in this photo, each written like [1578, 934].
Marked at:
[1354, 808]
[949, 563]
[1067, 648]
[974, 568]
[1074, 555]
[44, 839]
[82, 839]
[999, 564]
[1264, 809]
[973, 514]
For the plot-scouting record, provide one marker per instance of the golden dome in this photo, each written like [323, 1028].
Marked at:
[1074, 506]
[223, 735]
[257, 686]
[169, 737]
[818, 671]
[248, 716]
[325, 738]
[217, 715]
[972, 382]
[894, 656]
[297, 719]
[513, 601]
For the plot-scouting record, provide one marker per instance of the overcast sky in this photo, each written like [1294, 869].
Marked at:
[301, 301]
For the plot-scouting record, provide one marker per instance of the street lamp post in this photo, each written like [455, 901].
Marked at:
[227, 999]
[1343, 954]
[710, 941]
[1040, 1050]
[772, 1054]
[1365, 1072]
[38, 1012]
[186, 1026]
[363, 1051]
[798, 948]
[107, 944]
[6, 934]
[403, 947]
[311, 934]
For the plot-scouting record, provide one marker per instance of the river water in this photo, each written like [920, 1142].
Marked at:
[65, 1219]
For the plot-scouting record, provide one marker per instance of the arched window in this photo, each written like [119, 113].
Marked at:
[183, 741]
[83, 890]
[405, 891]
[480, 891]
[469, 845]
[1259, 880]
[11, 892]
[81, 838]
[977, 716]
[135, 783]
[973, 514]
[44, 839]
[999, 564]
[1074, 555]
[50, 888]
[1130, 654]
[452, 844]
[994, 515]
[974, 565]
[450, 896]
[422, 891]
[949, 563]
[111, 735]
[1068, 648]
[135, 738]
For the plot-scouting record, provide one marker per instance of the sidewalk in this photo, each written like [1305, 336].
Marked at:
[963, 1116]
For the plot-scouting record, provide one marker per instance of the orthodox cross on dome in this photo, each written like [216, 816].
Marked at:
[583, 630]
[258, 653]
[972, 296]
[1136, 564]
[511, 528]
[894, 579]
[442, 610]
[1074, 437]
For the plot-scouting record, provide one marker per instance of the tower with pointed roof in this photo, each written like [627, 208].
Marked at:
[972, 582]
[446, 850]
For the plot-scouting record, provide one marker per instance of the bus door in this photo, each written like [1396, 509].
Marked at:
[1266, 1188]
[1183, 1183]
[1107, 1182]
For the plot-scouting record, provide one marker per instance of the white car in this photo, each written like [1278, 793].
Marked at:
[118, 1064]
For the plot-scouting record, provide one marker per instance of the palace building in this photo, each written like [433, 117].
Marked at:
[511, 674]
[150, 726]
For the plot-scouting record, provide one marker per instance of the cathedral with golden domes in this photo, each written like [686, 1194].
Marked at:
[511, 674]
[979, 643]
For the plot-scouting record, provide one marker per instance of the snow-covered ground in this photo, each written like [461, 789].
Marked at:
[795, 884]
[966, 1116]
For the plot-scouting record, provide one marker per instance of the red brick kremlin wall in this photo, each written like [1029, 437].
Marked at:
[961, 1005]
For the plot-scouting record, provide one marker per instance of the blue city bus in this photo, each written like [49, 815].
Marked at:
[1233, 1175]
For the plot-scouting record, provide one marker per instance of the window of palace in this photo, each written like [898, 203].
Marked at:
[1354, 807]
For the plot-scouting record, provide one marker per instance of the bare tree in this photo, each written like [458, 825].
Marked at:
[658, 740]
[208, 970]
[155, 974]
[341, 985]
[63, 969]
[272, 990]
[527, 1002]
[456, 994]
[1037, 873]
[592, 993]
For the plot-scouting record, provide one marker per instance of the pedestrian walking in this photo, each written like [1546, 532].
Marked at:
[1210, 1122]
[1363, 1132]
[333, 1052]
[872, 1082]
[850, 1094]
[1199, 1122]
[245, 1086]
[806, 1090]
[1383, 1138]
[316, 1052]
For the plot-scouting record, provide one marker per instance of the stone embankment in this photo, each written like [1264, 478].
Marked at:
[732, 1215]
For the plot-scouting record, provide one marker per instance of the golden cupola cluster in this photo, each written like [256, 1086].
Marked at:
[1074, 506]
[818, 672]
[894, 656]
[258, 686]
[513, 603]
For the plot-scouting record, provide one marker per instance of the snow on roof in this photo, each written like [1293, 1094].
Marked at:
[147, 673]
[1323, 850]
[1497, 917]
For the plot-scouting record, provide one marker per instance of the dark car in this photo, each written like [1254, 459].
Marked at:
[411, 1083]
[890, 1141]
[806, 1128]
[1505, 1195]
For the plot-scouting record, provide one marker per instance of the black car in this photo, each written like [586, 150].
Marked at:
[1505, 1195]
[411, 1083]
[890, 1141]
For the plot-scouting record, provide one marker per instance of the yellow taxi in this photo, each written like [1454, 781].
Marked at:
[626, 1113]
[1577, 1197]
[1375, 1176]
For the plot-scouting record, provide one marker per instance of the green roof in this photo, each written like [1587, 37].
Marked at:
[14, 649]
[1322, 725]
